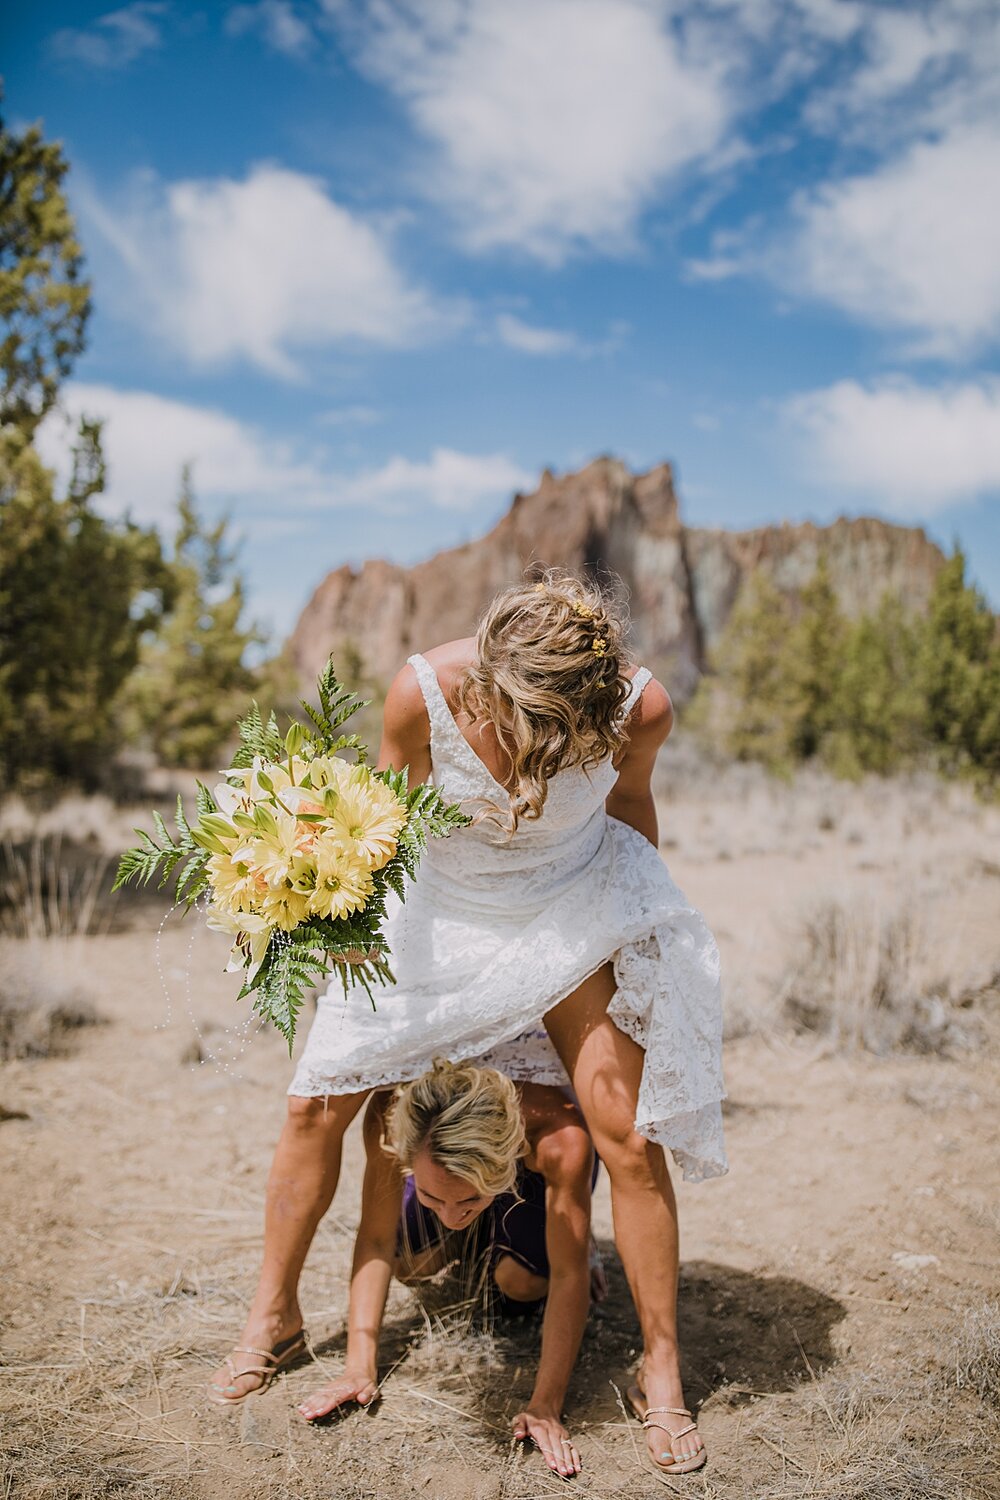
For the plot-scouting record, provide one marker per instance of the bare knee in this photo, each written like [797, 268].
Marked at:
[631, 1159]
[324, 1115]
[517, 1282]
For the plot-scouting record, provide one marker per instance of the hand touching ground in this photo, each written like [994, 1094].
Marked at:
[550, 1437]
[360, 1387]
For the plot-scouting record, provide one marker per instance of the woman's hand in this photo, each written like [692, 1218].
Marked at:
[361, 1387]
[548, 1434]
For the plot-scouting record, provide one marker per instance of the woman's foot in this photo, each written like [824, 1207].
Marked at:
[673, 1441]
[266, 1346]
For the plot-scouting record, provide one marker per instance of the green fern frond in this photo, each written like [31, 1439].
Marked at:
[204, 802]
[257, 738]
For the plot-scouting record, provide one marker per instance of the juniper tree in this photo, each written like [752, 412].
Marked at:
[812, 658]
[747, 703]
[878, 702]
[193, 680]
[44, 297]
[959, 675]
[76, 593]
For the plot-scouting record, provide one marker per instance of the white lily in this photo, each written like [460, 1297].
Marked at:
[252, 934]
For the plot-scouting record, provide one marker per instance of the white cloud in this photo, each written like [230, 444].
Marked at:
[259, 269]
[912, 246]
[276, 21]
[530, 338]
[148, 438]
[448, 480]
[554, 126]
[527, 338]
[113, 40]
[349, 416]
[915, 450]
[920, 67]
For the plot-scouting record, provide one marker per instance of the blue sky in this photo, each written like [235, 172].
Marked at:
[370, 265]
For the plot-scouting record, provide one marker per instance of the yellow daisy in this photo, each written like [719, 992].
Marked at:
[342, 885]
[235, 884]
[367, 820]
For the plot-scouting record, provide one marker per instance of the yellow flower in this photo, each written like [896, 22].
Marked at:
[235, 884]
[245, 781]
[273, 850]
[329, 771]
[285, 907]
[367, 820]
[342, 885]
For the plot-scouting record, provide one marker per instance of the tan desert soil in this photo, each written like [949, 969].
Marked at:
[825, 1281]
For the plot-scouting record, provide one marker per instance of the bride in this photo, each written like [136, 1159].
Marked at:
[547, 940]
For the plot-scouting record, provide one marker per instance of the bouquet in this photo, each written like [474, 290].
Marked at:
[296, 851]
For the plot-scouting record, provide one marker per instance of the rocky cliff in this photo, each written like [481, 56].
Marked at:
[682, 581]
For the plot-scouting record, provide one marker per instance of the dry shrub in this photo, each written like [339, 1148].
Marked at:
[977, 1353]
[52, 887]
[859, 978]
[41, 1001]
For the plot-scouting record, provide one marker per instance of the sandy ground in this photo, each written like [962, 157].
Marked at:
[826, 1281]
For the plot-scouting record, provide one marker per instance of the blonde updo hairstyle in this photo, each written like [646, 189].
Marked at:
[550, 675]
[468, 1119]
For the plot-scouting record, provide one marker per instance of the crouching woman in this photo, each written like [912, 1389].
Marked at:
[462, 1149]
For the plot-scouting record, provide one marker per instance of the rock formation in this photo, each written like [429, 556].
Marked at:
[681, 581]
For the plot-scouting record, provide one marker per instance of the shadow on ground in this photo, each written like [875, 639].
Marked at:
[750, 1333]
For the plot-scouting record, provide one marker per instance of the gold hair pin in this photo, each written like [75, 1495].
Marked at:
[599, 646]
[582, 610]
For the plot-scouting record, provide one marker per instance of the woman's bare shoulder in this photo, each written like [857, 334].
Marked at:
[450, 661]
[653, 715]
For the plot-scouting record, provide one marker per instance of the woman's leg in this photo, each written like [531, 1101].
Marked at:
[606, 1066]
[300, 1189]
[517, 1283]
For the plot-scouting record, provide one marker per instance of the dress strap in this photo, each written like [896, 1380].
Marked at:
[434, 699]
[639, 681]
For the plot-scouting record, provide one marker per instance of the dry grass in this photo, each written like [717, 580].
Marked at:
[113, 1416]
[53, 888]
[977, 1353]
[893, 1432]
[42, 1001]
[859, 977]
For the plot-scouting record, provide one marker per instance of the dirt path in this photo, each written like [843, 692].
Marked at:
[826, 1281]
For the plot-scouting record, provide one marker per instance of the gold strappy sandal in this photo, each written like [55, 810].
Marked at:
[283, 1353]
[637, 1401]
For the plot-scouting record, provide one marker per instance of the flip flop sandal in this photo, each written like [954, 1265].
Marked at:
[282, 1355]
[637, 1401]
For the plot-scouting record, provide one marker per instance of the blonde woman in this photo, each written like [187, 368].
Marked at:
[547, 937]
[455, 1161]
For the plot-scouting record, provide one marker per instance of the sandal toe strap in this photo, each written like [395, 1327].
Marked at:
[236, 1374]
[673, 1436]
[249, 1349]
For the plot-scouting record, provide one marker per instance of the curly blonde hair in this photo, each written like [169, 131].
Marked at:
[468, 1118]
[550, 675]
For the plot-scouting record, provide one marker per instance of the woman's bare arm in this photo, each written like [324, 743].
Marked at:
[371, 1273]
[565, 1159]
[631, 799]
[406, 730]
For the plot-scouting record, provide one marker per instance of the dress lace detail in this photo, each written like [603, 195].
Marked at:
[495, 932]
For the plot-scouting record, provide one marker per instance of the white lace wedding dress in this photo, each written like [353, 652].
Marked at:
[493, 934]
